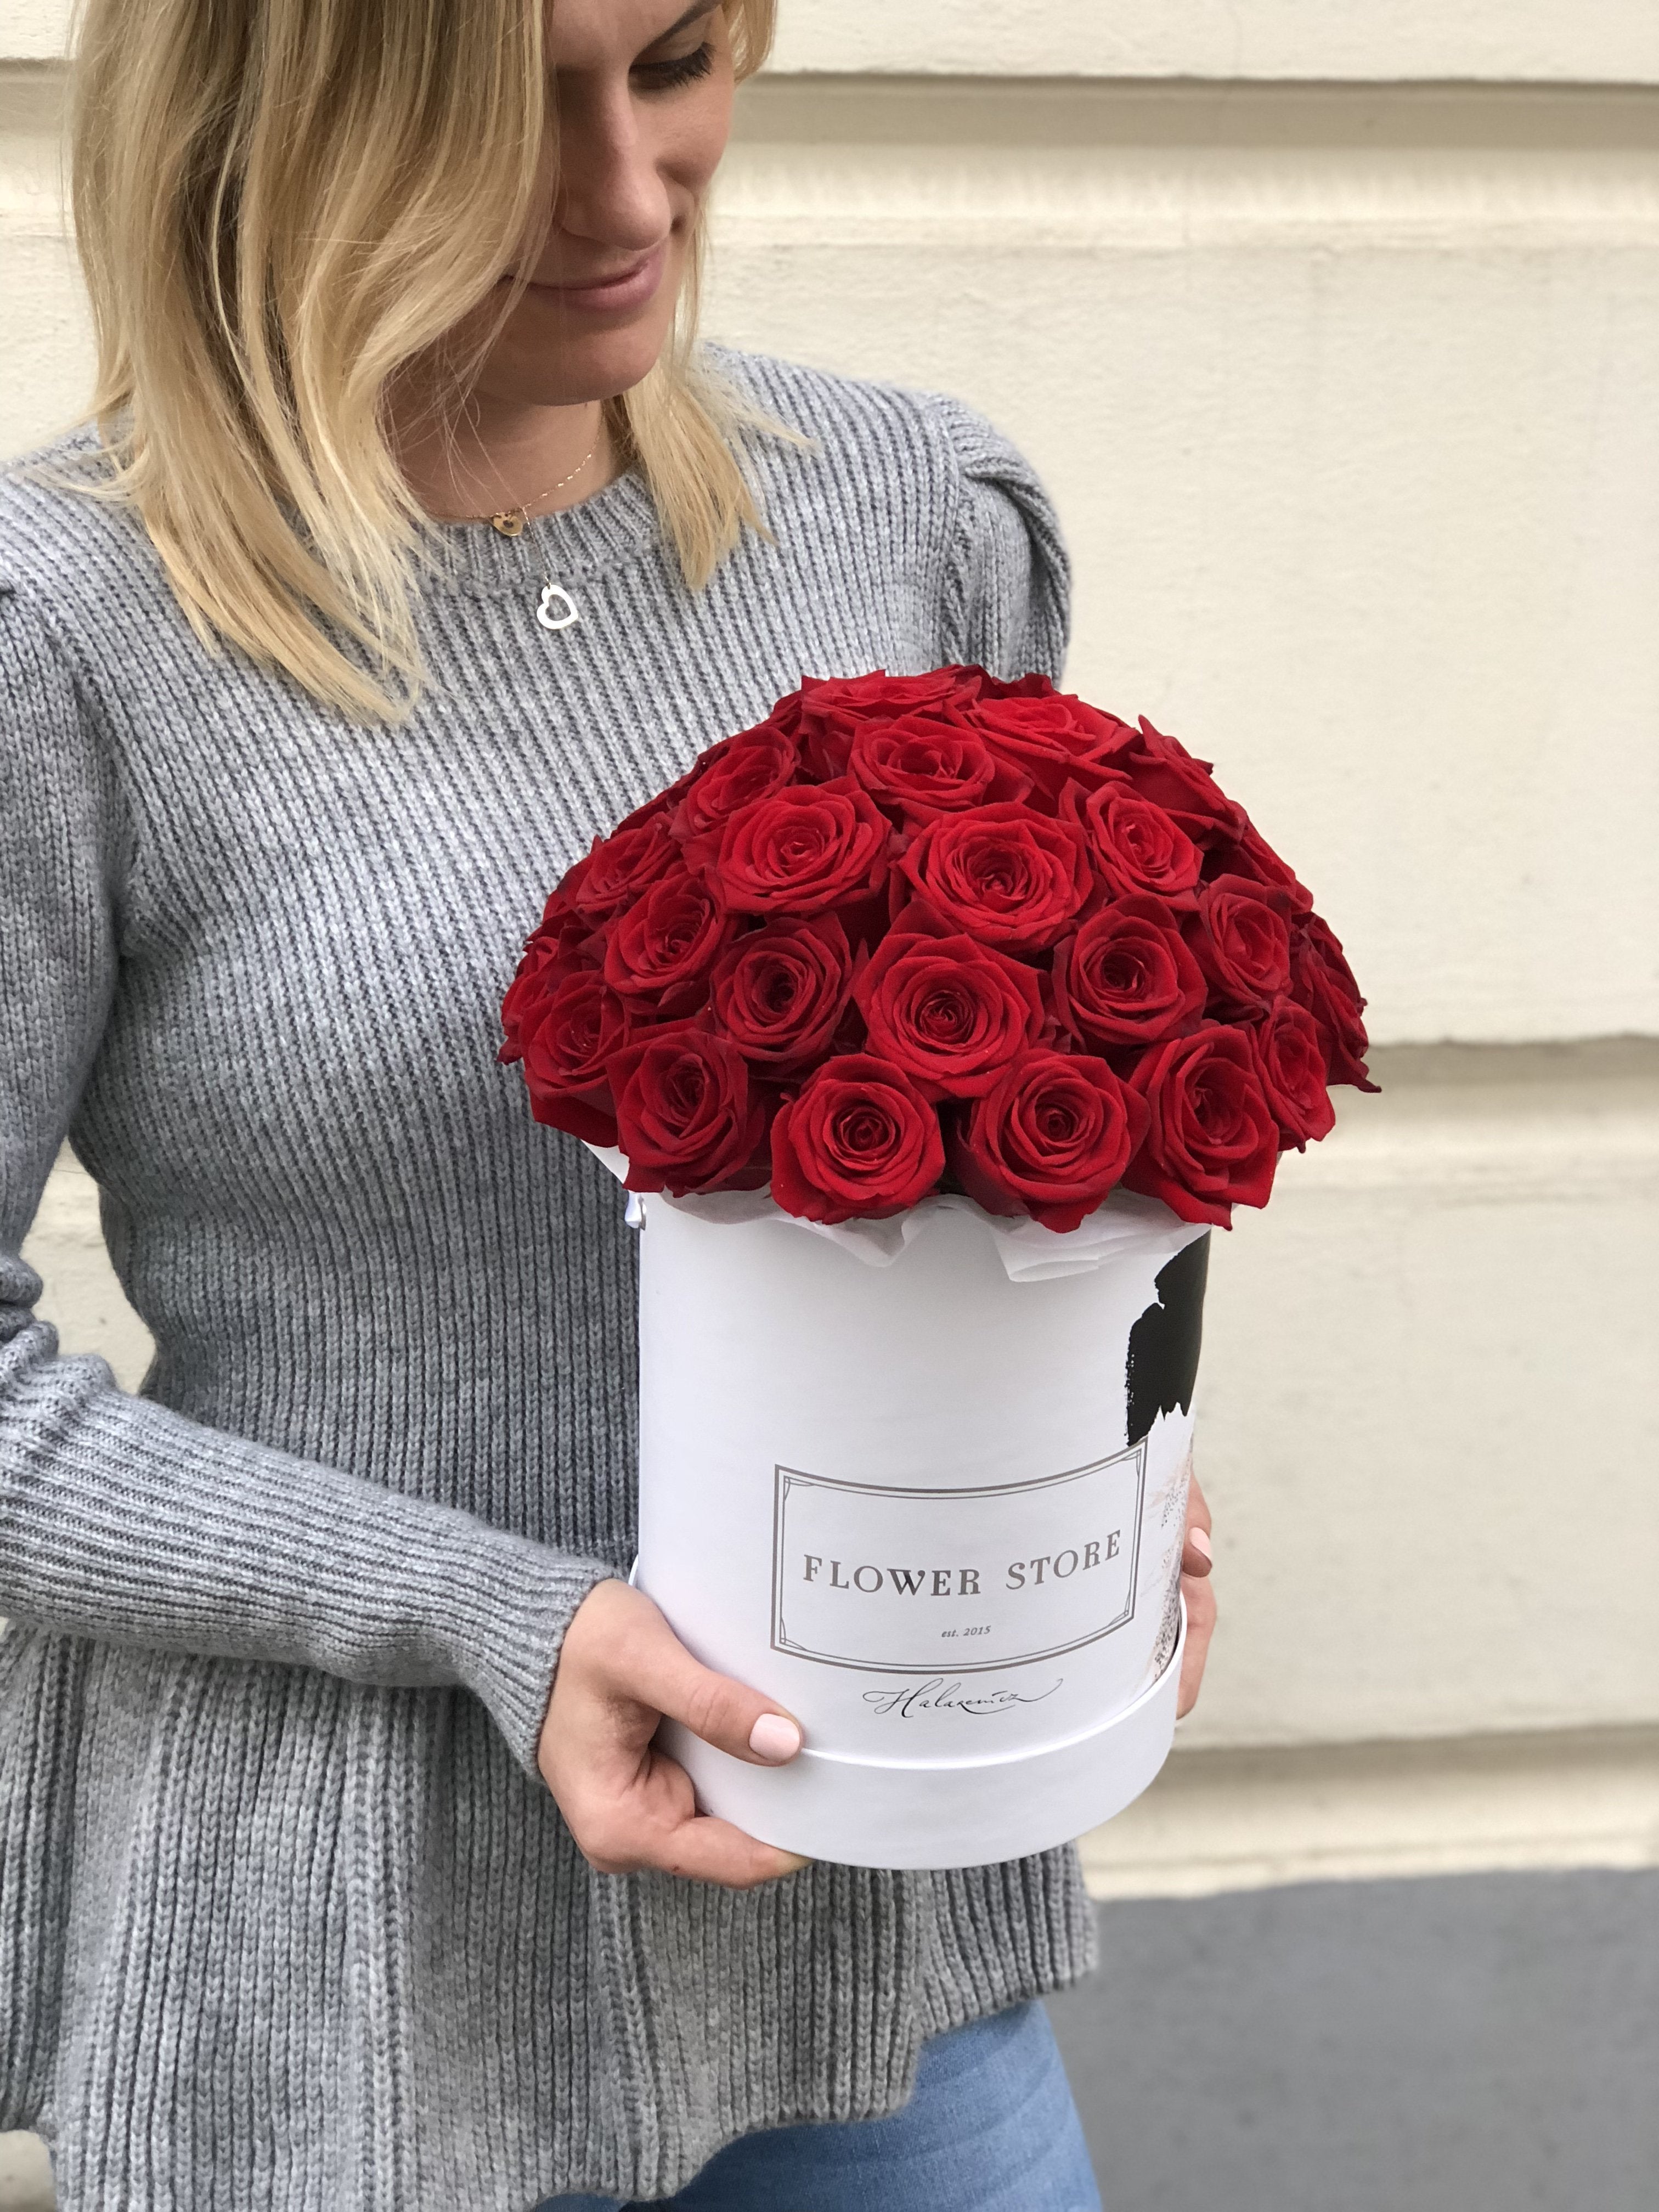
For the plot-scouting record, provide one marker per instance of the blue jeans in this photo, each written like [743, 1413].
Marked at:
[991, 2128]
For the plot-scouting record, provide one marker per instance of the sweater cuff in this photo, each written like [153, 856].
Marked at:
[505, 1617]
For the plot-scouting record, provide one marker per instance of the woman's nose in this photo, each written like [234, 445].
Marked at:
[609, 189]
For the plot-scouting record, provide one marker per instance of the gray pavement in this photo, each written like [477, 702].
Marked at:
[1484, 2044]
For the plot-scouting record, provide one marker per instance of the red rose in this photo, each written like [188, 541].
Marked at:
[780, 993]
[1212, 1142]
[881, 697]
[732, 775]
[1127, 978]
[802, 851]
[685, 1115]
[1322, 982]
[1163, 770]
[832, 710]
[1242, 940]
[919, 766]
[565, 1059]
[1000, 874]
[561, 942]
[619, 868]
[1051, 1139]
[662, 949]
[952, 1013]
[859, 1142]
[1135, 846]
[1053, 737]
[1250, 856]
[1291, 1065]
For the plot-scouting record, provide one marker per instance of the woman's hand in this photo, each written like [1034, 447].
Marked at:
[1200, 1594]
[621, 1670]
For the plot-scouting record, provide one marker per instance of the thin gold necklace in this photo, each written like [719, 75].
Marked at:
[514, 521]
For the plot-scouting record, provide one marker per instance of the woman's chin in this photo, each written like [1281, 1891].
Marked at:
[541, 361]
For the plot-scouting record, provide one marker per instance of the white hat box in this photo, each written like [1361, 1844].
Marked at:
[923, 1482]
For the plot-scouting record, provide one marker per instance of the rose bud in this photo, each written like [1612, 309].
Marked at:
[1053, 737]
[1127, 978]
[1211, 1141]
[1291, 1065]
[661, 950]
[859, 1142]
[751, 766]
[1322, 982]
[919, 766]
[951, 1012]
[565, 1059]
[685, 1115]
[1051, 1139]
[1135, 846]
[1242, 940]
[1000, 874]
[800, 851]
[780, 993]
[618, 868]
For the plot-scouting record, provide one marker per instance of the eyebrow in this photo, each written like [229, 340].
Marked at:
[698, 9]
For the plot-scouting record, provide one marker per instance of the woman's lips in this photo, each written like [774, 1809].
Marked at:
[619, 294]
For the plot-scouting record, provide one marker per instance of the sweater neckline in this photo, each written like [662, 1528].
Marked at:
[606, 531]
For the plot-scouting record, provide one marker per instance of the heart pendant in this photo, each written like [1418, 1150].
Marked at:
[546, 615]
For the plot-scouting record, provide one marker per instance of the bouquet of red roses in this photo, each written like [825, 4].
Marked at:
[939, 932]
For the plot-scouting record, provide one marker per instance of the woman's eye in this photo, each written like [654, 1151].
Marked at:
[669, 76]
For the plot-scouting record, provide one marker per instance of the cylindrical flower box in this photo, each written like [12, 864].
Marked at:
[928, 1491]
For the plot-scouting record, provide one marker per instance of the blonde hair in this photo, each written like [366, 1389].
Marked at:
[277, 205]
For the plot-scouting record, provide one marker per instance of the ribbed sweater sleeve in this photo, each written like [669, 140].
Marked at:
[119, 1519]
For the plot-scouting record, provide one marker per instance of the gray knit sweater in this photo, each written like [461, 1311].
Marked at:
[287, 1919]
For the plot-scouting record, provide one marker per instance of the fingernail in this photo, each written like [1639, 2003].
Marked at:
[1199, 1542]
[773, 1738]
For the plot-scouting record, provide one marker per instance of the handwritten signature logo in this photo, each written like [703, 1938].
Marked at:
[939, 1694]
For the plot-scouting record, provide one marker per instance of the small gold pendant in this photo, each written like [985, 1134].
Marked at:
[510, 525]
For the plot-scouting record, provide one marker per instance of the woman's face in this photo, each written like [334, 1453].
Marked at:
[643, 90]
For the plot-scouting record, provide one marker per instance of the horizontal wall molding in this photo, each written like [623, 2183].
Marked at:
[1070, 165]
[1545, 40]
[1103, 113]
[1127, 167]
[1498, 1124]
[1230, 1819]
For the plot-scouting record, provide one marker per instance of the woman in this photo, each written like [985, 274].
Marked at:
[336, 1867]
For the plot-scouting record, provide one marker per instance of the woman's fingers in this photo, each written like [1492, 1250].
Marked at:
[656, 1824]
[727, 1713]
[702, 1849]
[1200, 1627]
[627, 1804]
[1196, 1559]
[1195, 1551]
[651, 1821]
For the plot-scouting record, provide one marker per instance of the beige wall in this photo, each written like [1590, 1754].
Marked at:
[1348, 389]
